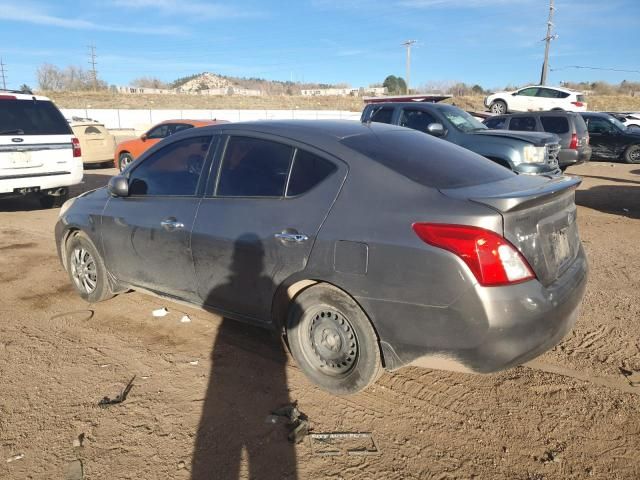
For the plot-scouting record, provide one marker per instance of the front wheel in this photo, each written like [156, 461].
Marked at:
[632, 154]
[124, 159]
[333, 341]
[499, 107]
[86, 270]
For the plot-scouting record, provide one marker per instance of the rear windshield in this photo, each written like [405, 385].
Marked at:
[31, 117]
[581, 126]
[426, 160]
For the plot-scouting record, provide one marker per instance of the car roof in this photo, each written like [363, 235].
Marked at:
[596, 114]
[561, 89]
[23, 96]
[191, 122]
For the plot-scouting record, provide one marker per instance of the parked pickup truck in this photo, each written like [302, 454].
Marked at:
[533, 153]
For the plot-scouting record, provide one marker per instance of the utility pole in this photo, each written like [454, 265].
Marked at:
[550, 36]
[408, 45]
[2, 74]
[92, 62]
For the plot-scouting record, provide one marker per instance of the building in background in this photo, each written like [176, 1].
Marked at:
[344, 92]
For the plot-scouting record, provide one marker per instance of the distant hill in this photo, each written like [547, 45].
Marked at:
[207, 80]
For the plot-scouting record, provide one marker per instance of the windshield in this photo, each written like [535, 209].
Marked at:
[461, 119]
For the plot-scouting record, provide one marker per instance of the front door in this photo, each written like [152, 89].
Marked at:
[603, 138]
[258, 225]
[146, 236]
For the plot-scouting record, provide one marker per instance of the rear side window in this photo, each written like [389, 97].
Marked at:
[581, 98]
[307, 172]
[31, 117]
[527, 124]
[253, 167]
[172, 170]
[180, 126]
[381, 115]
[495, 123]
[555, 124]
[426, 160]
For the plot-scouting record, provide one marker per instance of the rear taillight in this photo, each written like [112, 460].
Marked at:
[491, 258]
[578, 104]
[77, 151]
[574, 142]
[7, 97]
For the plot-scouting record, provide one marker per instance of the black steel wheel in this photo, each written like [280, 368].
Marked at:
[333, 341]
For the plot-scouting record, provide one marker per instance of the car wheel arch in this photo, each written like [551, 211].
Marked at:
[286, 294]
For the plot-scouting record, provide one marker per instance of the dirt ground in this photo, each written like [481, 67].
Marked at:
[282, 102]
[203, 389]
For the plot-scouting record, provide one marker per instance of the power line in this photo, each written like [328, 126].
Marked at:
[550, 36]
[584, 67]
[408, 45]
[3, 74]
[92, 62]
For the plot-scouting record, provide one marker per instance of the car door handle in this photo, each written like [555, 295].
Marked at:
[171, 224]
[291, 237]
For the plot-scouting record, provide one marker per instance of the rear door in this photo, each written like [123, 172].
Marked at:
[146, 236]
[35, 139]
[257, 225]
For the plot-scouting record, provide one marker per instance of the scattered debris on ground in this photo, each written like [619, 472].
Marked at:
[298, 422]
[160, 312]
[340, 443]
[121, 397]
[19, 456]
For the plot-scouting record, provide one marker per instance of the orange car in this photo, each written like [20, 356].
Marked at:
[127, 151]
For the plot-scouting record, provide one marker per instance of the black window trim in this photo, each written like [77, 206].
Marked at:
[203, 174]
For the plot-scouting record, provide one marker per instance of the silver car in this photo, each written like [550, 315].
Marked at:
[369, 247]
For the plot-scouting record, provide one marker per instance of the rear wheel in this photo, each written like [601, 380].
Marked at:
[53, 201]
[124, 159]
[333, 341]
[499, 107]
[632, 154]
[86, 269]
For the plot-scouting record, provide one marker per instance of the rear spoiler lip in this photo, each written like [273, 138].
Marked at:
[515, 199]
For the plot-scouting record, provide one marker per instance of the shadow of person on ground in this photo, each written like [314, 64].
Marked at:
[247, 381]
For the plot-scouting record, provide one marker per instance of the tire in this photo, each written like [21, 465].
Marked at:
[124, 159]
[499, 107]
[86, 269]
[53, 201]
[333, 341]
[632, 154]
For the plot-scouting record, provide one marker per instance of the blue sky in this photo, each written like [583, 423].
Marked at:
[490, 42]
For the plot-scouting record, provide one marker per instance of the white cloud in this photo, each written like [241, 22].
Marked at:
[37, 15]
[190, 8]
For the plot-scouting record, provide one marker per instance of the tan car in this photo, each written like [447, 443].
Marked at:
[96, 142]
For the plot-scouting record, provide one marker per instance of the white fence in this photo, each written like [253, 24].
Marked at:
[143, 119]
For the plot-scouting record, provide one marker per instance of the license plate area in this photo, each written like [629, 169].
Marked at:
[560, 246]
[25, 190]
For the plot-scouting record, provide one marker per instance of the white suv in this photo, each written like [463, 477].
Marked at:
[536, 98]
[38, 152]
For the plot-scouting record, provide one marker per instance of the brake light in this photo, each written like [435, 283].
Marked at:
[7, 97]
[574, 142]
[491, 258]
[77, 151]
[578, 104]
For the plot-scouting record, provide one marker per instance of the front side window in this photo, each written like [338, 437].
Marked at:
[381, 115]
[528, 92]
[161, 131]
[600, 125]
[555, 124]
[172, 170]
[460, 119]
[495, 123]
[416, 119]
[307, 172]
[527, 124]
[253, 167]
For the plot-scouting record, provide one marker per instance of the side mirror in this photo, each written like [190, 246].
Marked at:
[435, 129]
[143, 137]
[118, 186]
[514, 94]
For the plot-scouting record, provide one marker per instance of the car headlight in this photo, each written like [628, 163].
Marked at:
[66, 206]
[533, 154]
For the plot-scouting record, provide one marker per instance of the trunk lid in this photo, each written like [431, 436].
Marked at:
[539, 218]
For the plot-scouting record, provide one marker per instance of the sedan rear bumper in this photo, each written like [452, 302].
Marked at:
[487, 329]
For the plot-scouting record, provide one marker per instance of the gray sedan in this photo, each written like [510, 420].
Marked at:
[370, 247]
